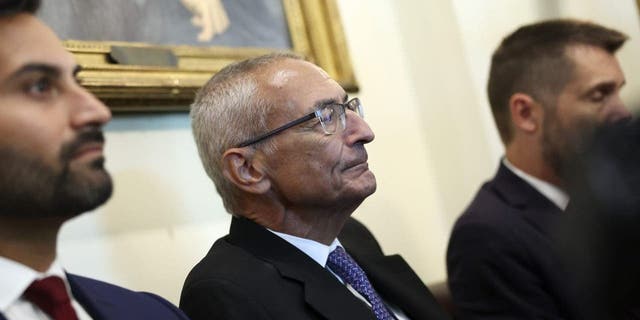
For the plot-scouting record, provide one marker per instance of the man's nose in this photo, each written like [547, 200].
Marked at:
[357, 130]
[87, 109]
[617, 111]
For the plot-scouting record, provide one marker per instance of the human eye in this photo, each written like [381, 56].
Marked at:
[601, 93]
[41, 87]
[597, 96]
[327, 114]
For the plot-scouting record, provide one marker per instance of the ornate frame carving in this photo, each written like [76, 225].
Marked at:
[314, 27]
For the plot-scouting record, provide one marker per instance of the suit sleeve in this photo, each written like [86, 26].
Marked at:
[177, 312]
[491, 276]
[220, 299]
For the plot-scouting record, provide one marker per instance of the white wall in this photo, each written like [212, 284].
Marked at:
[422, 68]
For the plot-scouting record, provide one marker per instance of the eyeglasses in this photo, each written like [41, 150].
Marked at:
[329, 117]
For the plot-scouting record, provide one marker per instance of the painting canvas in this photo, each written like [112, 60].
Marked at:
[235, 23]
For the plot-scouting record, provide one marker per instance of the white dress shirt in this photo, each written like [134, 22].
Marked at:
[551, 192]
[320, 253]
[15, 278]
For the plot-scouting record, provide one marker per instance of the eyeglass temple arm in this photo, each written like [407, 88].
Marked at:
[277, 130]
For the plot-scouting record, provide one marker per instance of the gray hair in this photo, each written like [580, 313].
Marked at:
[229, 109]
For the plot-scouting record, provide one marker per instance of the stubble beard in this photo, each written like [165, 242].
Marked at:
[32, 189]
[562, 144]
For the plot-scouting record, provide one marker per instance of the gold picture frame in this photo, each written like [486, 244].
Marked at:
[314, 28]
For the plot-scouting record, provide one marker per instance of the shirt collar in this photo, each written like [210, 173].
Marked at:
[551, 192]
[315, 250]
[15, 278]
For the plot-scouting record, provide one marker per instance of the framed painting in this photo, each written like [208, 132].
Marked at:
[153, 55]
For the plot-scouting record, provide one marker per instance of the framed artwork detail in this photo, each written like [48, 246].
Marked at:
[136, 76]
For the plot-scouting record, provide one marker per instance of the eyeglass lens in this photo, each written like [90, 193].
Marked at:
[330, 115]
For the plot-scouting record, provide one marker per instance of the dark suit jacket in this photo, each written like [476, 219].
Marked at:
[501, 259]
[253, 274]
[104, 301]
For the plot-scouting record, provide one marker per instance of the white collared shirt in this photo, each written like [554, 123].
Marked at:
[320, 253]
[15, 278]
[551, 192]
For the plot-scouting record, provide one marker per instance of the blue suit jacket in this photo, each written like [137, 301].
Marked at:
[104, 301]
[502, 260]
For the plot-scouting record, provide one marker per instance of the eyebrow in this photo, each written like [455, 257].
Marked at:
[36, 68]
[43, 68]
[605, 85]
[330, 101]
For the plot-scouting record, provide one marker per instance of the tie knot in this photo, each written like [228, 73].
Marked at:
[338, 255]
[51, 288]
[50, 295]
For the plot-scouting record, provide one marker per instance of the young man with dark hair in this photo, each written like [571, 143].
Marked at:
[550, 84]
[51, 170]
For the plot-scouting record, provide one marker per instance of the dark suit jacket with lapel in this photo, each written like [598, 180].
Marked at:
[253, 274]
[104, 301]
[501, 260]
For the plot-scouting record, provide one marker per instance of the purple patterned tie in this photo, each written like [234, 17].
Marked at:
[346, 268]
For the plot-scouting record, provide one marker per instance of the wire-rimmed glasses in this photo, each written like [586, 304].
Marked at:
[329, 116]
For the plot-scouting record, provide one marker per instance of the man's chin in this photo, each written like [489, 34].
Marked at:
[84, 191]
[366, 184]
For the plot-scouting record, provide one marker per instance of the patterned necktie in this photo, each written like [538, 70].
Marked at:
[50, 295]
[346, 268]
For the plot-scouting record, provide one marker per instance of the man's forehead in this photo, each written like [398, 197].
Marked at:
[594, 65]
[286, 71]
[25, 40]
[294, 85]
[281, 77]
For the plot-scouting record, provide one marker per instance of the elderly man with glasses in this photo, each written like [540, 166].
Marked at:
[285, 148]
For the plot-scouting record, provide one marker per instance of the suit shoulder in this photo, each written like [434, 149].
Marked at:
[488, 210]
[231, 283]
[230, 263]
[92, 293]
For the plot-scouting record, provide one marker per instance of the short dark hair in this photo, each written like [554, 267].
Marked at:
[533, 60]
[13, 7]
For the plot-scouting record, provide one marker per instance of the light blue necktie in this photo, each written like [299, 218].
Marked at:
[346, 268]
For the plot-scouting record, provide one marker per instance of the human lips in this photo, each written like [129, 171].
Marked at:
[358, 164]
[89, 143]
[88, 150]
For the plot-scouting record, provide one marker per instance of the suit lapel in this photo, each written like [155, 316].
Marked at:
[397, 283]
[535, 207]
[323, 292]
[90, 301]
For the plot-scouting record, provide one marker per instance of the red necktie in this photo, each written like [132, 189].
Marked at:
[50, 295]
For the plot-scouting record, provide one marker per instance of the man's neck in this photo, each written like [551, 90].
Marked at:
[321, 226]
[31, 242]
[531, 162]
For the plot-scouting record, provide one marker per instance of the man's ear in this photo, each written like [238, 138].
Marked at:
[526, 113]
[241, 167]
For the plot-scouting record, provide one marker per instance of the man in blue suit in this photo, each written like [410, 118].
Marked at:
[51, 170]
[551, 83]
